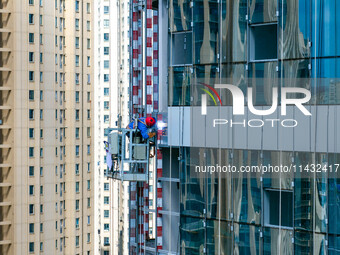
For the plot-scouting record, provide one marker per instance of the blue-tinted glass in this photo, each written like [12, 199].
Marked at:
[192, 184]
[324, 27]
[277, 241]
[205, 31]
[247, 189]
[234, 27]
[179, 86]
[247, 239]
[180, 15]
[262, 11]
[307, 243]
[295, 29]
[219, 237]
[266, 78]
[192, 234]
[206, 76]
[334, 245]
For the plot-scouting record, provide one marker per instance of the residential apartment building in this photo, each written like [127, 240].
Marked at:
[46, 127]
[111, 110]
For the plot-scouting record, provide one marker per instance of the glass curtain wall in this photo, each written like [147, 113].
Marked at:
[259, 44]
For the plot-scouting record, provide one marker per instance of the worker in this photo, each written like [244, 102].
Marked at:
[143, 125]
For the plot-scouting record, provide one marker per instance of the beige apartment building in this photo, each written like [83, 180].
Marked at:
[46, 86]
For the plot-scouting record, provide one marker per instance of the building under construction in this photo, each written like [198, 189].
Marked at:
[179, 50]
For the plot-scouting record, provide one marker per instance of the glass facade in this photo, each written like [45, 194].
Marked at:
[280, 43]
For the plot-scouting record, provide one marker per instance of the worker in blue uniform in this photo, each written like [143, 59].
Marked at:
[143, 124]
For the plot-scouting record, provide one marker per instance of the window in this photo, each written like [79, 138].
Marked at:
[106, 23]
[88, 167]
[106, 119]
[106, 227]
[41, 114]
[88, 237]
[88, 8]
[41, 227]
[106, 213]
[106, 186]
[41, 58]
[106, 64]
[77, 133]
[41, 208]
[150, 188]
[31, 57]
[106, 241]
[77, 241]
[31, 2]
[41, 77]
[106, 105]
[272, 207]
[31, 133]
[181, 43]
[77, 187]
[106, 9]
[77, 60]
[88, 202]
[31, 37]
[31, 114]
[88, 26]
[31, 76]
[77, 150]
[88, 114]
[77, 114]
[88, 61]
[77, 78]
[31, 95]
[41, 190]
[77, 42]
[31, 190]
[31, 171]
[88, 184]
[31, 209]
[41, 246]
[106, 37]
[77, 24]
[106, 50]
[106, 200]
[77, 6]
[30, 19]
[41, 39]
[77, 223]
[40, 20]
[31, 228]
[106, 77]
[88, 219]
[31, 247]
[77, 169]
[31, 152]
[89, 43]
[263, 41]
[77, 96]
[88, 78]
[41, 133]
[88, 132]
[77, 205]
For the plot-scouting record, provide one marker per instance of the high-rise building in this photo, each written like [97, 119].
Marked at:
[250, 44]
[111, 110]
[46, 127]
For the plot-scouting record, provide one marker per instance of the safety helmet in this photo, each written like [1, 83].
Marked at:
[150, 121]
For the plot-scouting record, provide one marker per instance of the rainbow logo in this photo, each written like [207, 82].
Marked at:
[204, 97]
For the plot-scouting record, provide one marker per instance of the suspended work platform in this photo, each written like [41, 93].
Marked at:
[128, 155]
